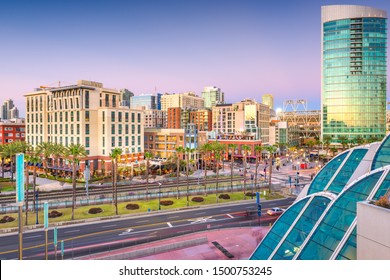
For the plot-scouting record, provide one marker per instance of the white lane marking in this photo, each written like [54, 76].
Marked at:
[76, 230]
[108, 226]
[143, 221]
[229, 216]
[35, 236]
[169, 224]
[126, 232]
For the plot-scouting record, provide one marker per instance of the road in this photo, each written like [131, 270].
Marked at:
[87, 238]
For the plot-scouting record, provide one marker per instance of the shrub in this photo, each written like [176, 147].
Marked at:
[95, 210]
[132, 206]
[7, 219]
[383, 201]
[224, 196]
[250, 194]
[197, 199]
[55, 214]
[166, 202]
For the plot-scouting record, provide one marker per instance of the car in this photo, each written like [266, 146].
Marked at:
[275, 211]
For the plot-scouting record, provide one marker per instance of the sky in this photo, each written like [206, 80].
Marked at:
[247, 48]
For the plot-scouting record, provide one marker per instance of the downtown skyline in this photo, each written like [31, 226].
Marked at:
[246, 48]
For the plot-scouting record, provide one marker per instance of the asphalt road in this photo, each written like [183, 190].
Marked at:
[88, 238]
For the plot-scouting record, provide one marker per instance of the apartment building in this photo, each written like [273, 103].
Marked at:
[155, 118]
[182, 100]
[202, 118]
[86, 114]
[12, 130]
[212, 96]
[247, 117]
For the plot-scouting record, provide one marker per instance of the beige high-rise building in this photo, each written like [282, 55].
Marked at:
[247, 117]
[182, 100]
[268, 99]
[86, 114]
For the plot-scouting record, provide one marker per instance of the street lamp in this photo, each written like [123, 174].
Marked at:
[36, 206]
[159, 195]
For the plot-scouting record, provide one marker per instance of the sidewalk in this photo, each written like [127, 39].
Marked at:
[239, 242]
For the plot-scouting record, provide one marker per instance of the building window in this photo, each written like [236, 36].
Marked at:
[132, 117]
[126, 129]
[120, 141]
[104, 116]
[66, 116]
[114, 101]
[107, 102]
[132, 129]
[112, 116]
[104, 129]
[87, 116]
[66, 128]
[139, 129]
[126, 117]
[87, 129]
[119, 116]
[112, 141]
[119, 129]
[126, 140]
[87, 99]
[77, 127]
[139, 117]
[113, 129]
[87, 142]
[78, 116]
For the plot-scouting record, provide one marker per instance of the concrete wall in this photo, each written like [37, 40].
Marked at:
[373, 232]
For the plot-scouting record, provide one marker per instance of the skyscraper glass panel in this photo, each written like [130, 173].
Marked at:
[354, 42]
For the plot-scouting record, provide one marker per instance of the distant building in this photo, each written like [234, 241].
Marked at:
[12, 130]
[162, 143]
[182, 100]
[126, 97]
[148, 101]
[155, 118]
[268, 99]
[202, 118]
[8, 110]
[212, 96]
[278, 132]
[246, 118]
[174, 118]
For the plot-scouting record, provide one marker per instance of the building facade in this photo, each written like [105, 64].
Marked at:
[174, 118]
[268, 99]
[8, 110]
[353, 92]
[202, 118]
[247, 117]
[182, 100]
[12, 130]
[212, 96]
[155, 118]
[148, 101]
[162, 143]
[86, 114]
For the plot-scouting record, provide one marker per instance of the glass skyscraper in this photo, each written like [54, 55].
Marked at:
[353, 91]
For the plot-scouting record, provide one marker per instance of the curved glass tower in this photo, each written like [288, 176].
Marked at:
[353, 92]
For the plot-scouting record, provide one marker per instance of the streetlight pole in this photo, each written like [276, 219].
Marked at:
[159, 195]
[36, 207]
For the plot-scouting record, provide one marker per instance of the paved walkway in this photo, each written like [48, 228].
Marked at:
[240, 242]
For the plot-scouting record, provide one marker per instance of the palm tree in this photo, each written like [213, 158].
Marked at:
[245, 149]
[179, 151]
[188, 152]
[46, 151]
[327, 140]
[2, 160]
[359, 140]
[75, 152]
[258, 151]
[34, 159]
[343, 141]
[148, 156]
[57, 152]
[115, 155]
[232, 147]
[205, 149]
[271, 150]
[217, 148]
[25, 148]
[9, 151]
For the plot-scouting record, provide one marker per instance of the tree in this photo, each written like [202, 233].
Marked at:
[75, 152]
[217, 148]
[232, 148]
[34, 159]
[359, 140]
[57, 151]
[246, 149]
[148, 156]
[45, 149]
[9, 151]
[115, 155]
[179, 152]
[343, 141]
[258, 151]
[205, 149]
[188, 152]
[2, 160]
[271, 150]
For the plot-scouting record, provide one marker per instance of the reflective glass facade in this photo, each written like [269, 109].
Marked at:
[354, 77]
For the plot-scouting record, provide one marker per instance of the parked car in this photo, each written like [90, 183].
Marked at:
[275, 211]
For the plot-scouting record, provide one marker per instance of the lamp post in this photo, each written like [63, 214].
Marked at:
[20, 197]
[46, 225]
[36, 207]
[55, 242]
[159, 195]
